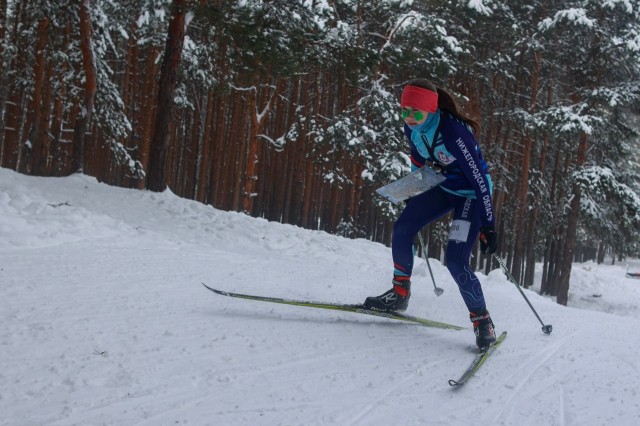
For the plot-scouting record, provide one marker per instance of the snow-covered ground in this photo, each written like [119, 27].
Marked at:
[104, 321]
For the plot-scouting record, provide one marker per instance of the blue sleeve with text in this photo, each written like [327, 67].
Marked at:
[461, 143]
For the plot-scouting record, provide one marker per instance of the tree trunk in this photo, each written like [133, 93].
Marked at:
[602, 251]
[148, 106]
[572, 225]
[299, 148]
[57, 123]
[168, 79]
[309, 179]
[532, 233]
[239, 151]
[520, 236]
[255, 146]
[35, 109]
[250, 172]
[3, 32]
[4, 71]
[204, 163]
[41, 141]
[217, 191]
[90, 86]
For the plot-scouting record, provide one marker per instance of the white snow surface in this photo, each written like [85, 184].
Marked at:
[105, 322]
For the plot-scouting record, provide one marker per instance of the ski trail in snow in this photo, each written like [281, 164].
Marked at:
[530, 369]
[369, 408]
[105, 323]
[564, 415]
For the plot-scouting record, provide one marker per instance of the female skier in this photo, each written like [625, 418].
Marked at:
[442, 137]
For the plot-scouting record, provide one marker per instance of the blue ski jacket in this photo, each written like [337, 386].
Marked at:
[447, 144]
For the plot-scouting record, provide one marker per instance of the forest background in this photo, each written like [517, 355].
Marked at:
[288, 109]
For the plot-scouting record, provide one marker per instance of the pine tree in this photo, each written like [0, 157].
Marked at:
[168, 77]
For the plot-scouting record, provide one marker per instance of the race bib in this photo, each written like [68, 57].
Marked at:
[459, 230]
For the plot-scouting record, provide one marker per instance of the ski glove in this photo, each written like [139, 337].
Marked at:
[488, 240]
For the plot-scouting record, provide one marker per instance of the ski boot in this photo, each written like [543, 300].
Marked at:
[483, 328]
[396, 299]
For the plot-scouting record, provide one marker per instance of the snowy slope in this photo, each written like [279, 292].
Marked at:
[104, 321]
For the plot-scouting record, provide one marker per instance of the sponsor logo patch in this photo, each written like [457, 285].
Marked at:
[444, 159]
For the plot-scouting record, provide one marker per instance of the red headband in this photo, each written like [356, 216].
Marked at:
[419, 98]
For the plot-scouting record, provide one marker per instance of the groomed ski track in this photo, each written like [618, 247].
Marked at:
[105, 322]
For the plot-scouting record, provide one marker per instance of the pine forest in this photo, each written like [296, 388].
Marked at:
[289, 110]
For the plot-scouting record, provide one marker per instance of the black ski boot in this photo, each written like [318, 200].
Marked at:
[396, 299]
[483, 327]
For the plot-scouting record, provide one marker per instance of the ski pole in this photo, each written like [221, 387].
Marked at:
[545, 328]
[438, 291]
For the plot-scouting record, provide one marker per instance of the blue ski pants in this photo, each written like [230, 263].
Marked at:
[465, 227]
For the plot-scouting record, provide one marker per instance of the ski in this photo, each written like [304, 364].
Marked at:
[358, 309]
[477, 362]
